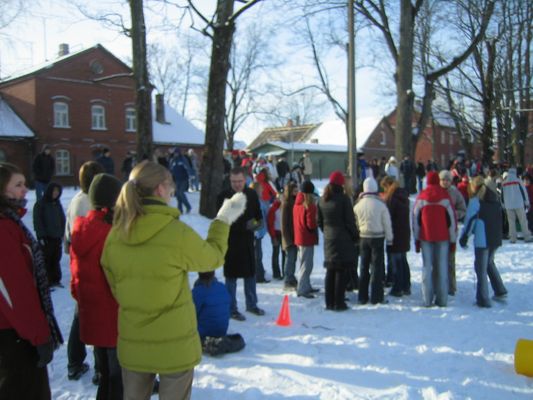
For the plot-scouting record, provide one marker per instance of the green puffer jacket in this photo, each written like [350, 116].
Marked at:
[148, 275]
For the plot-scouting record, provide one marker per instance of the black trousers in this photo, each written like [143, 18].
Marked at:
[371, 270]
[335, 286]
[52, 255]
[110, 385]
[19, 376]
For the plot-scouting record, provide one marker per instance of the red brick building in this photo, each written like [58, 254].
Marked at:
[79, 104]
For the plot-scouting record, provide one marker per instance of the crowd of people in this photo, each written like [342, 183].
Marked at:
[124, 238]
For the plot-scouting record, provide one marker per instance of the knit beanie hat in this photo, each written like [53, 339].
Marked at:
[104, 191]
[370, 185]
[336, 178]
[307, 187]
[445, 174]
[432, 178]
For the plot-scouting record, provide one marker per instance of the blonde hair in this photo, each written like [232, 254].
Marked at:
[475, 185]
[389, 185]
[309, 198]
[143, 181]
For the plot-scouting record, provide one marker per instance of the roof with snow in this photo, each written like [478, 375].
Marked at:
[11, 125]
[176, 130]
[310, 146]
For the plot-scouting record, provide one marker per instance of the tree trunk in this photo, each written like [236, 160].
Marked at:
[404, 84]
[212, 162]
[488, 100]
[143, 87]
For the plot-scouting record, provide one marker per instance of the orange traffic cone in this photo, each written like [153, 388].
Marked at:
[284, 318]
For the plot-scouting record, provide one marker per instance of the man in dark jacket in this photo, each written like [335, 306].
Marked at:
[43, 169]
[49, 224]
[107, 162]
[180, 169]
[240, 257]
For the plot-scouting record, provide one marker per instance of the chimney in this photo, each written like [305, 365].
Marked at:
[63, 49]
[297, 120]
[160, 108]
[289, 123]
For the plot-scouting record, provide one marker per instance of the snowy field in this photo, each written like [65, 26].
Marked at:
[399, 350]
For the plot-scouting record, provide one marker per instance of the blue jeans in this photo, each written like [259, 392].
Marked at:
[250, 293]
[181, 189]
[290, 264]
[259, 268]
[485, 268]
[401, 273]
[40, 187]
[305, 268]
[435, 257]
[372, 255]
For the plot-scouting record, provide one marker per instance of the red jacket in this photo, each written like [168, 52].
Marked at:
[271, 218]
[305, 222]
[434, 217]
[463, 188]
[268, 193]
[20, 306]
[98, 308]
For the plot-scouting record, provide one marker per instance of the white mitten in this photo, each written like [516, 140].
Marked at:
[232, 208]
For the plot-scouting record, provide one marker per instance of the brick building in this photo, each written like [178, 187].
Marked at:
[79, 104]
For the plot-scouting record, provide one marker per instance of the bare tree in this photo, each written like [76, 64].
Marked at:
[220, 27]
[377, 13]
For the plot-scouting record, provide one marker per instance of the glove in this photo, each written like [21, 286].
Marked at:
[452, 247]
[232, 208]
[417, 246]
[252, 224]
[45, 353]
[462, 241]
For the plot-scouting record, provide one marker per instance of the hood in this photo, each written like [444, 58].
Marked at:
[370, 185]
[89, 234]
[157, 216]
[434, 193]
[511, 174]
[49, 189]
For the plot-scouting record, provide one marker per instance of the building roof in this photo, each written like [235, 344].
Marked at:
[309, 146]
[176, 130]
[328, 133]
[11, 125]
[36, 69]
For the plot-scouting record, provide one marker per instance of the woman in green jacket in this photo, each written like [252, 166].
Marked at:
[147, 257]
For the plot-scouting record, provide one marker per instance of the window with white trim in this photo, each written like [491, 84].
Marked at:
[98, 117]
[383, 138]
[131, 120]
[451, 139]
[442, 137]
[443, 161]
[61, 119]
[63, 162]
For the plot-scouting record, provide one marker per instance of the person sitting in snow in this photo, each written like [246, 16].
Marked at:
[212, 303]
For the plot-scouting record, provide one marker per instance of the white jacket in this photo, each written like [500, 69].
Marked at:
[372, 218]
[514, 194]
[79, 207]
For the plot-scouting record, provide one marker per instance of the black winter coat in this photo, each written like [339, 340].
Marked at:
[490, 210]
[287, 224]
[337, 221]
[398, 206]
[48, 215]
[43, 167]
[239, 261]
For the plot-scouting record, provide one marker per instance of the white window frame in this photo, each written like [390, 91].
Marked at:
[131, 119]
[98, 122]
[62, 162]
[451, 139]
[383, 138]
[443, 160]
[61, 115]
[442, 137]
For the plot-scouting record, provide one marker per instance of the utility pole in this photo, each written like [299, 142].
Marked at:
[352, 138]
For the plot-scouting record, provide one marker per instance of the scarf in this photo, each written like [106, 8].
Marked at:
[39, 272]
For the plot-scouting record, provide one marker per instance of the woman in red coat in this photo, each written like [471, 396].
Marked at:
[305, 237]
[98, 309]
[28, 329]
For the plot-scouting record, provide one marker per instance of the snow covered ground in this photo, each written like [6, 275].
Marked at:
[399, 350]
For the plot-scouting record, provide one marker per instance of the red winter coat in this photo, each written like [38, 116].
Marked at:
[434, 218]
[463, 189]
[98, 309]
[20, 307]
[271, 218]
[305, 222]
